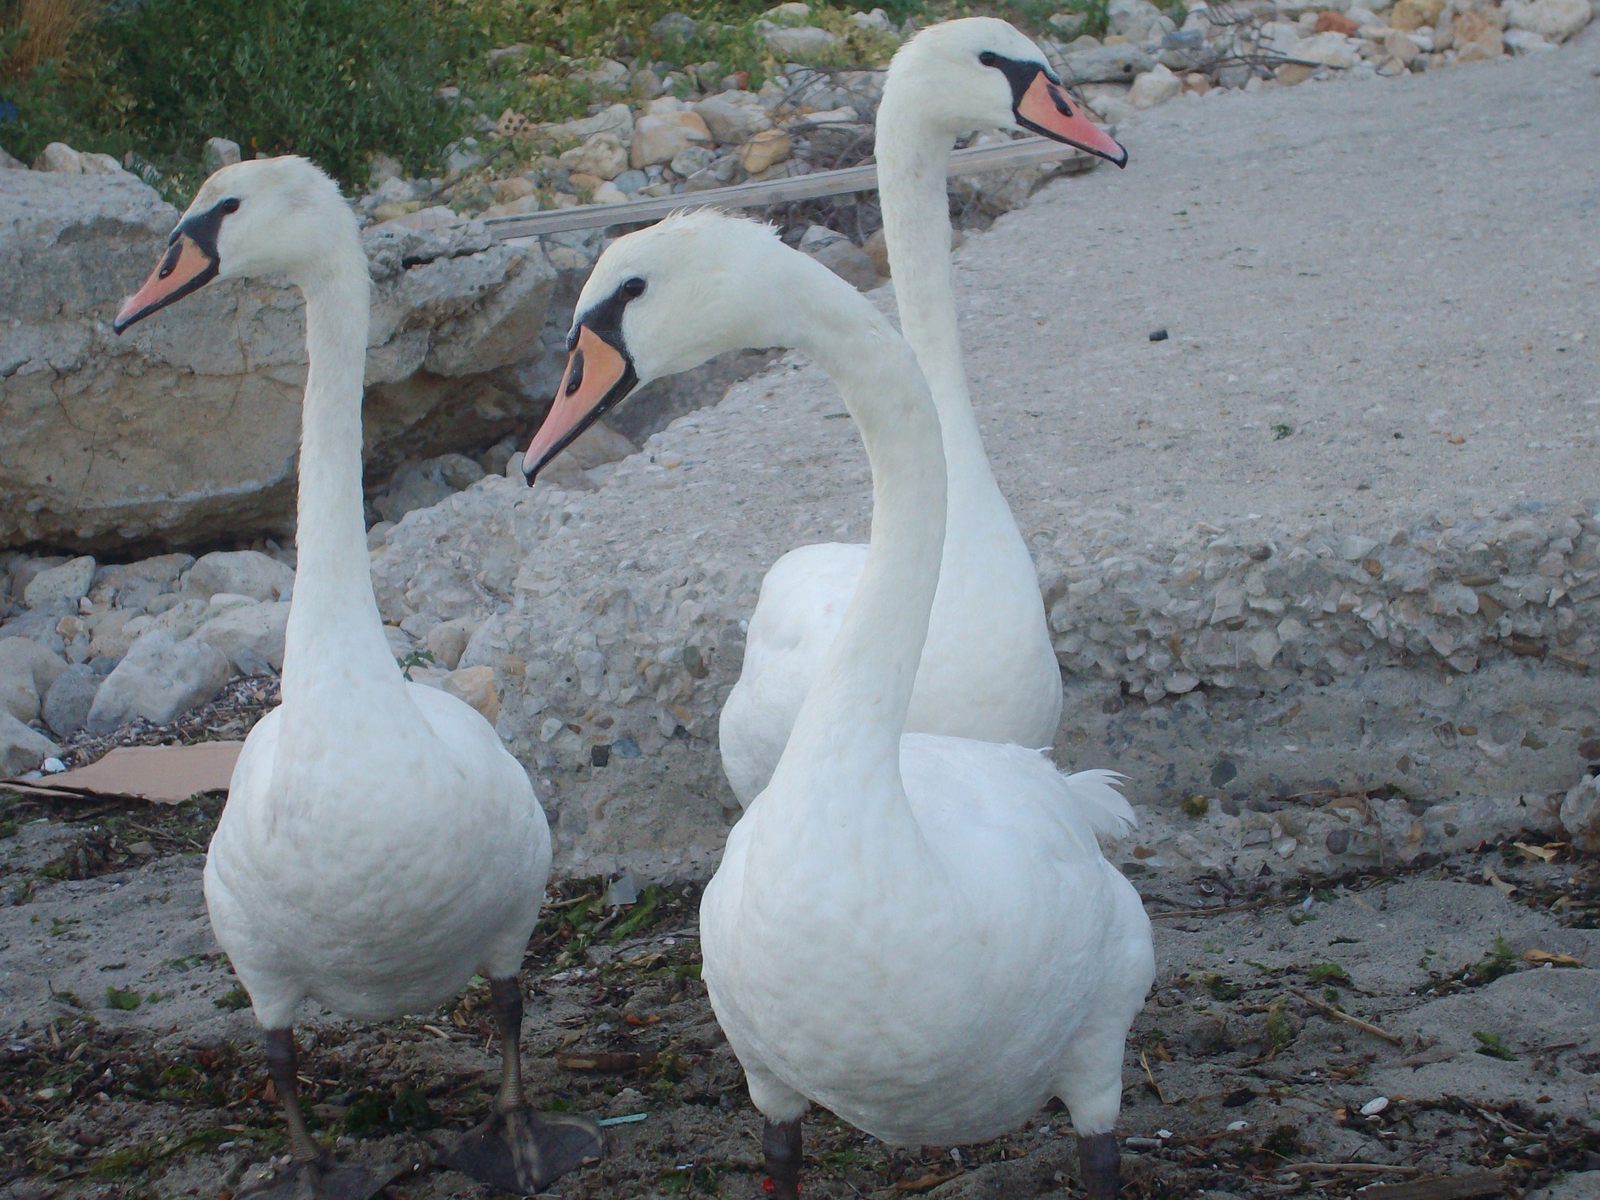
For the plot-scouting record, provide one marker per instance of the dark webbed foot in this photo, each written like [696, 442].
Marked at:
[518, 1149]
[312, 1175]
[1100, 1164]
[525, 1151]
[323, 1180]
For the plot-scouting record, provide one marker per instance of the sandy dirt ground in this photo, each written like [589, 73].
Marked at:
[129, 1065]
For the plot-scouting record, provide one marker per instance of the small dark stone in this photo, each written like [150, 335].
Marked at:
[1223, 772]
[1158, 335]
[599, 754]
[694, 662]
[626, 747]
[1338, 841]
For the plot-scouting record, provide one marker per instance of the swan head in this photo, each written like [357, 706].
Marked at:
[981, 72]
[263, 217]
[664, 300]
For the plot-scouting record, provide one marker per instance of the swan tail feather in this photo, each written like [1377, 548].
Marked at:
[1097, 794]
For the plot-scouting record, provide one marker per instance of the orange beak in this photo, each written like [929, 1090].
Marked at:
[1045, 108]
[185, 267]
[598, 376]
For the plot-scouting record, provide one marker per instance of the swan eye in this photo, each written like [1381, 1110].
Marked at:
[633, 288]
[989, 58]
[230, 205]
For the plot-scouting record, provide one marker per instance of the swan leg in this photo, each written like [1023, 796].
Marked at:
[311, 1174]
[1100, 1165]
[780, 1146]
[517, 1149]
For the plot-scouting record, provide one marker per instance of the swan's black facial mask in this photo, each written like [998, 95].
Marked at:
[191, 262]
[1042, 105]
[599, 376]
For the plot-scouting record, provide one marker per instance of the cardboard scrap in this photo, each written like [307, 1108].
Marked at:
[158, 774]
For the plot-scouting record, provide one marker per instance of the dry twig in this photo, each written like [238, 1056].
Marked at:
[1338, 1014]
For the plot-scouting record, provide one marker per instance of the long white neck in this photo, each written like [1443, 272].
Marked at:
[913, 158]
[855, 713]
[335, 633]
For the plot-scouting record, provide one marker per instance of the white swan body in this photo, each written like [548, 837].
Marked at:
[917, 931]
[379, 845]
[936, 978]
[378, 871]
[988, 669]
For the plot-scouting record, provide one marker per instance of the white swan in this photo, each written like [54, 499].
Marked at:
[379, 844]
[919, 932]
[988, 669]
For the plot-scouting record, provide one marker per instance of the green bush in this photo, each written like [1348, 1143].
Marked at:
[336, 80]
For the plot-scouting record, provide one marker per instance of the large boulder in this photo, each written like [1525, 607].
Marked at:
[186, 429]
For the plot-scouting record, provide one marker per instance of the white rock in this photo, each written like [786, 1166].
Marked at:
[1580, 814]
[63, 159]
[108, 632]
[877, 20]
[659, 137]
[733, 117]
[1138, 20]
[615, 119]
[159, 678]
[801, 43]
[1154, 87]
[27, 670]
[610, 73]
[134, 585]
[766, 150]
[1298, 8]
[688, 161]
[219, 152]
[60, 587]
[603, 156]
[242, 572]
[59, 157]
[447, 640]
[1333, 49]
[1525, 41]
[66, 706]
[22, 747]
[1279, 37]
[475, 685]
[1555, 20]
[250, 635]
